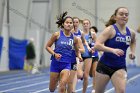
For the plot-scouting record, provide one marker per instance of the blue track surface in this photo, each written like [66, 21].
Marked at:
[23, 82]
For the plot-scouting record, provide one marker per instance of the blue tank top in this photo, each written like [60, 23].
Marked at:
[64, 46]
[77, 34]
[88, 38]
[119, 41]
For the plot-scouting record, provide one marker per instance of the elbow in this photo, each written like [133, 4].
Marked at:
[46, 47]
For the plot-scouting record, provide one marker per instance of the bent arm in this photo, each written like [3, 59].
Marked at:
[85, 42]
[50, 43]
[102, 38]
[132, 46]
[80, 44]
[76, 46]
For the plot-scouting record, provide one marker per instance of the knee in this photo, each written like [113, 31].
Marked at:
[62, 83]
[80, 75]
[70, 82]
[86, 76]
[62, 86]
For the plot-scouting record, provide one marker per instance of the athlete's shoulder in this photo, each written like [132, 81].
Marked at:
[109, 28]
[56, 34]
[108, 32]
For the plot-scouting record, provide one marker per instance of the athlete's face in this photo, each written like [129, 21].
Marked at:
[122, 16]
[76, 22]
[68, 24]
[92, 30]
[86, 24]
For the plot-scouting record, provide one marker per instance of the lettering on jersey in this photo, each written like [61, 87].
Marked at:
[70, 42]
[126, 39]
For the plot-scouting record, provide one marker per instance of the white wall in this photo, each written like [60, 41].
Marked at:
[1, 14]
[84, 9]
[107, 8]
[17, 22]
[4, 55]
[43, 23]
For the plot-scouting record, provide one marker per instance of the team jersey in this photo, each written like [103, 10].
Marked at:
[88, 38]
[64, 46]
[77, 34]
[119, 41]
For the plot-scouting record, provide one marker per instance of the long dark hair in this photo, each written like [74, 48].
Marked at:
[61, 19]
[112, 20]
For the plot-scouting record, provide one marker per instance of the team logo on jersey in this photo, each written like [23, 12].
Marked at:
[70, 42]
[126, 39]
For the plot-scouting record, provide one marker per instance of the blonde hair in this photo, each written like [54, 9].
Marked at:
[80, 21]
[86, 20]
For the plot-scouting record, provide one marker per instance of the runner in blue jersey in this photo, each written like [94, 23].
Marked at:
[87, 55]
[95, 56]
[114, 41]
[61, 56]
[75, 73]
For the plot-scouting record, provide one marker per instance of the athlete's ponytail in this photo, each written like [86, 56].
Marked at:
[61, 19]
[111, 21]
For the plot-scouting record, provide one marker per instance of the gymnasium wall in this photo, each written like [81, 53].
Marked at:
[37, 19]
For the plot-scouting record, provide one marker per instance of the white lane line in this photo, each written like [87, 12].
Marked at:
[22, 81]
[46, 89]
[109, 91]
[87, 86]
[82, 88]
[24, 86]
[25, 76]
[14, 75]
[128, 81]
